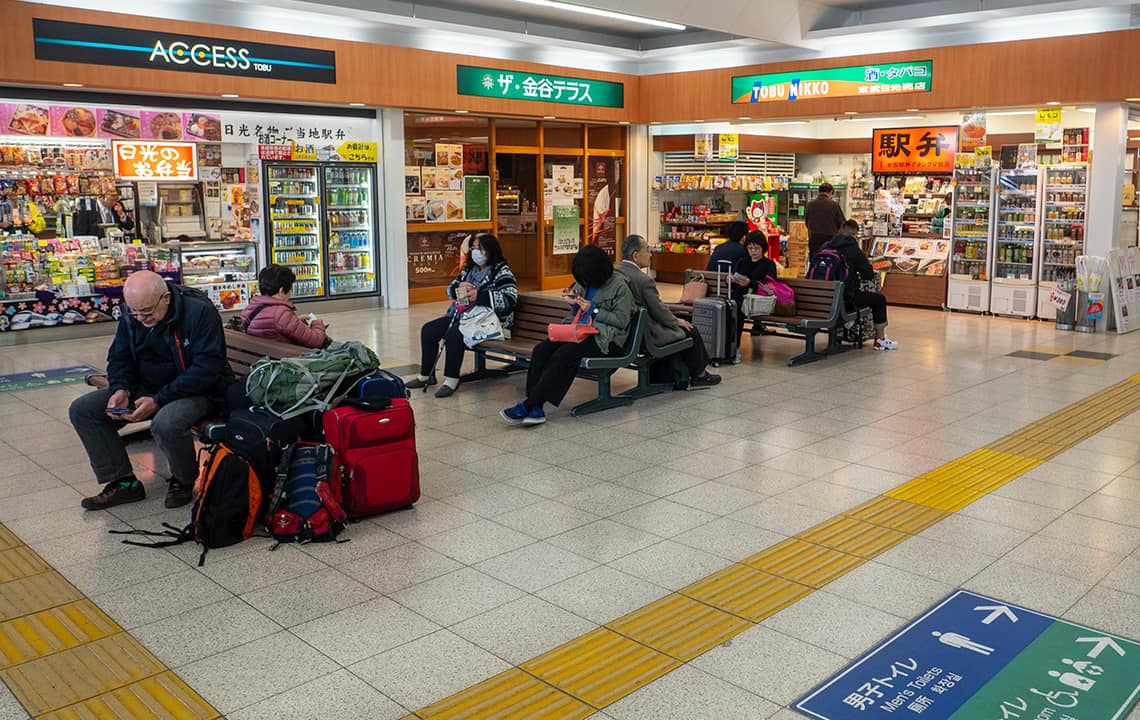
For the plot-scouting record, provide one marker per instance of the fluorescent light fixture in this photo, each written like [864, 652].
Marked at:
[623, 122]
[1131, 99]
[779, 122]
[1005, 113]
[356, 104]
[462, 112]
[549, 117]
[597, 12]
[1053, 102]
[73, 84]
[850, 112]
[884, 118]
[744, 118]
[912, 110]
[230, 95]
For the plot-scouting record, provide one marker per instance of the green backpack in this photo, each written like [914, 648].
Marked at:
[313, 380]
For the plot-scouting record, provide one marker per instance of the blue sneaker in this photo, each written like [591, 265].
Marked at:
[514, 415]
[535, 417]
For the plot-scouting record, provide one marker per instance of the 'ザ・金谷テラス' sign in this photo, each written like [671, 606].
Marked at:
[861, 80]
[517, 85]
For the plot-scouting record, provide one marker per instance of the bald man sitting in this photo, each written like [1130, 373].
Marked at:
[168, 365]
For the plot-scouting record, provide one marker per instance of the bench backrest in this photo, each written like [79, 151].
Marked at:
[533, 313]
[815, 299]
[243, 350]
[631, 348]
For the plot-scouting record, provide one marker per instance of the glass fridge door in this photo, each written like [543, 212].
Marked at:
[971, 230]
[351, 217]
[1064, 221]
[294, 215]
[1016, 227]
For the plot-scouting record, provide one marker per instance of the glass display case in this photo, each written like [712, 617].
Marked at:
[297, 239]
[1063, 230]
[971, 232]
[180, 211]
[1013, 278]
[226, 271]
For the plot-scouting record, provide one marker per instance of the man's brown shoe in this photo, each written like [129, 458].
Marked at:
[114, 493]
[178, 494]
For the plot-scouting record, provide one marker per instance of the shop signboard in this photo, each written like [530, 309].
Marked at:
[703, 146]
[604, 191]
[434, 257]
[1048, 127]
[155, 50]
[728, 147]
[973, 133]
[275, 152]
[971, 657]
[915, 150]
[566, 229]
[152, 160]
[519, 85]
[855, 81]
[477, 197]
[1124, 283]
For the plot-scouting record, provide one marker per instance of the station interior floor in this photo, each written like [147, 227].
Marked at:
[557, 537]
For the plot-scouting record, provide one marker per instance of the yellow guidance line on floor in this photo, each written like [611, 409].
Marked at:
[609, 663]
[64, 659]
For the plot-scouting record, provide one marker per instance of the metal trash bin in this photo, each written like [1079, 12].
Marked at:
[1085, 322]
[1067, 318]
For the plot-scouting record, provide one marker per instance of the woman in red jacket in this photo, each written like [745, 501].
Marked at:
[270, 315]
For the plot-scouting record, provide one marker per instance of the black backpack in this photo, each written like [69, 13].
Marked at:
[227, 505]
[830, 264]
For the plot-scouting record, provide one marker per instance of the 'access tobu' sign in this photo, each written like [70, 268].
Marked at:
[972, 657]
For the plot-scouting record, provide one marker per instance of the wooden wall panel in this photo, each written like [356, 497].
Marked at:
[1076, 69]
[378, 75]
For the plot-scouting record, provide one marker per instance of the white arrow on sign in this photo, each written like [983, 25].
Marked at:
[1101, 644]
[996, 611]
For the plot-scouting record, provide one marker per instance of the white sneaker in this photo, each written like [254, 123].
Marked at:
[885, 343]
[736, 358]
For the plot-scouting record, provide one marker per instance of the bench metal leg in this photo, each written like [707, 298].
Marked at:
[644, 387]
[482, 372]
[809, 354]
[834, 346]
[604, 401]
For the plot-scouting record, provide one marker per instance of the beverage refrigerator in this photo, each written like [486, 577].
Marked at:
[1017, 241]
[972, 238]
[322, 224]
[1062, 229]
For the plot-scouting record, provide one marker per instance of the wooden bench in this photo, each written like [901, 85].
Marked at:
[242, 351]
[820, 307]
[533, 313]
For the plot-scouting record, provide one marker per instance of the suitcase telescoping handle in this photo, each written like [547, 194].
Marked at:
[727, 278]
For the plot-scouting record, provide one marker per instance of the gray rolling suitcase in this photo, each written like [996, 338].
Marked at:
[715, 319]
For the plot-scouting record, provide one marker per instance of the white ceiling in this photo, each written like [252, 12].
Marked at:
[720, 33]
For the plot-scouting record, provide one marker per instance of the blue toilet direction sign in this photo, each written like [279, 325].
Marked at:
[44, 378]
[971, 657]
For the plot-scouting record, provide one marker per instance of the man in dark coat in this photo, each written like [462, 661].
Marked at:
[823, 217]
[167, 364]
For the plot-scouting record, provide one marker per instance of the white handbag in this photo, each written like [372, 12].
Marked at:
[479, 323]
[755, 305]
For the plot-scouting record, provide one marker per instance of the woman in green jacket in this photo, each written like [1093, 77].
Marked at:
[599, 293]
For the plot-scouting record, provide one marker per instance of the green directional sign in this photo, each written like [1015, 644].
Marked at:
[518, 85]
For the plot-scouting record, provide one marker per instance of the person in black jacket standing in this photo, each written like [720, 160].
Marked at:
[167, 364]
[859, 268]
[823, 218]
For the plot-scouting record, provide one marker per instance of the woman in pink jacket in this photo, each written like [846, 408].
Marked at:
[270, 315]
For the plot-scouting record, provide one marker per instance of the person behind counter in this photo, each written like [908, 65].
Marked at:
[272, 316]
[823, 218]
[113, 214]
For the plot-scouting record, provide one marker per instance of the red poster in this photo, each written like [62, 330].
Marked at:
[604, 188]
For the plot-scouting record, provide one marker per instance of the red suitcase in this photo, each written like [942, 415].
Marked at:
[376, 456]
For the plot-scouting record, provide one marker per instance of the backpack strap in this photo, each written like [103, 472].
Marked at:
[324, 462]
[249, 320]
[281, 481]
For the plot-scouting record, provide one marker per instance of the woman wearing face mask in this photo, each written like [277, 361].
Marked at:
[486, 280]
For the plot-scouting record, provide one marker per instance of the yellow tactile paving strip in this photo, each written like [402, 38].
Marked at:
[64, 659]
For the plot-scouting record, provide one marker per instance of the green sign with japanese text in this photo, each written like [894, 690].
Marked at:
[860, 80]
[517, 85]
[477, 197]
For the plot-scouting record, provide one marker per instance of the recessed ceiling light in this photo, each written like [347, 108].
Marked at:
[850, 112]
[654, 122]
[744, 117]
[230, 95]
[356, 104]
[623, 122]
[912, 109]
[73, 84]
[1053, 102]
[1132, 99]
[462, 112]
[698, 121]
[549, 117]
[604, 13]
